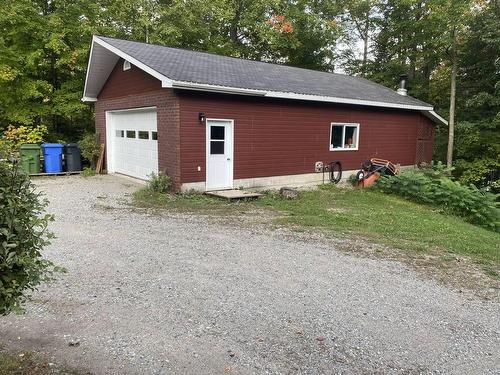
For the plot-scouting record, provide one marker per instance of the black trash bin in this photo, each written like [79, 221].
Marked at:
[73, 157]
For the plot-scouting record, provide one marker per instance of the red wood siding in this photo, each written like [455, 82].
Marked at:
[129, 82]
[279, 137]
[136, 89]
[272, 137]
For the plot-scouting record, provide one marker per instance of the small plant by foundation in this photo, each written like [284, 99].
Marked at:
[87, 172]
[159, 183]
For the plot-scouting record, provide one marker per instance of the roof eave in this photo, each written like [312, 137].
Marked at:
[184, 85]
[166, 82]
[430, 114]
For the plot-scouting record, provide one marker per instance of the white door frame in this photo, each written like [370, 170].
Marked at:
[230, 123]
[110, 132]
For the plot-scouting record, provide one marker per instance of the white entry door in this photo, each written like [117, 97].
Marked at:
[219, 154]
[132, 142]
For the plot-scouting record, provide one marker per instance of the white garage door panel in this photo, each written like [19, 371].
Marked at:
[132, 156]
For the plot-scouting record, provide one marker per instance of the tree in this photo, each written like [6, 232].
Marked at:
[454, 13]
[477, 145]
[43, 52]
[362, 16]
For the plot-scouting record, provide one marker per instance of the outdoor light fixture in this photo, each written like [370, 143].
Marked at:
[201, 117]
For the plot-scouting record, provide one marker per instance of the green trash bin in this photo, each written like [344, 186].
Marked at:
[30, 158]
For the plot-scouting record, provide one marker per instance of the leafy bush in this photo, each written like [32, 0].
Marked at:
[25, 134]
[87, 172]
[90, 148]
[23, 235]
[159, 183]
[432, 187]
[6, 149]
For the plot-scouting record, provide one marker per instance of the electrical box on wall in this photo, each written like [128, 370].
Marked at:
[318, 167]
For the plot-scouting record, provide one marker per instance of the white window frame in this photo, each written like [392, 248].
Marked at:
[344, 124]
[126, 65]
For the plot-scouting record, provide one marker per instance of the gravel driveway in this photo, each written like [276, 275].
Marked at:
[172, 293]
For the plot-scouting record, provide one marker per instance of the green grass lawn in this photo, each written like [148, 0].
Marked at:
[371, 215]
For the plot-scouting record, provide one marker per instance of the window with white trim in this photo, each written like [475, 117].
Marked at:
[126, 65]
[344, 136]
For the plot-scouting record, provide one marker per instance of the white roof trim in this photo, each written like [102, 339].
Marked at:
[84, 98]
[130, 59]
[216, 88]
[290, 95]
[434, 117]
[332, 99]
[169, 83]
[166, 82]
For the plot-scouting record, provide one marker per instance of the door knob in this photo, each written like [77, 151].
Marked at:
[228, 159]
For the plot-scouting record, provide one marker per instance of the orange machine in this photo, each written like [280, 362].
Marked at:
[372, 169]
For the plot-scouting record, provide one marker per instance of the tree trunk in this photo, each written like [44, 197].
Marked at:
[365, 42]
[451, 124]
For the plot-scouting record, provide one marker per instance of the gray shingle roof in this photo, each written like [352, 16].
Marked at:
[206, 68]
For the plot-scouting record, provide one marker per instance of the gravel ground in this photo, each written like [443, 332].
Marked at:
[183, 294]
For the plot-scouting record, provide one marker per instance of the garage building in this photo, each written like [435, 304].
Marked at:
[213, 122]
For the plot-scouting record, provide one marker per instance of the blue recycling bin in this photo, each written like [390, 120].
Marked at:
[52, 155]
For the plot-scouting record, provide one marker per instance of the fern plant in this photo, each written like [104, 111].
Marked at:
[432, 187]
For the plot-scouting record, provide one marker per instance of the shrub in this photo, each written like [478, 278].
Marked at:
[159, 183]
[25, 134]
[87, 172]
[23, 235]
[90, 148]
[432, 187]
[6, 149]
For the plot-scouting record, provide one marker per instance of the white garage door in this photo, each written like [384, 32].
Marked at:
[132, 146]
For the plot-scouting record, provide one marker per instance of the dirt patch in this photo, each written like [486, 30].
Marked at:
[29, 363]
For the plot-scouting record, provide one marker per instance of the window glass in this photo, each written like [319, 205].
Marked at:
[216, 147]
[337, 136]
[143, 134]
[130, 133]
[350, 138]
[217, 132]
[120, 133]
[154, 136]
[344, 136]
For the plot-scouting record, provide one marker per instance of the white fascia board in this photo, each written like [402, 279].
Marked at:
[435, 117]
[88, 69]
[165, 80]
[289, 95]
[216, 88]
[88, 99]
[332, 99]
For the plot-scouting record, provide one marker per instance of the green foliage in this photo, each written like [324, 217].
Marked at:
[90, 148]
[23, 235]
[44, 50]
[433, 188]
[159, 183]
[352, 180]
[25, 134]
[6, 149]
[87, 172]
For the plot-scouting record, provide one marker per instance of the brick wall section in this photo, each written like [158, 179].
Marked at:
[136, 89]
[280, 137]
